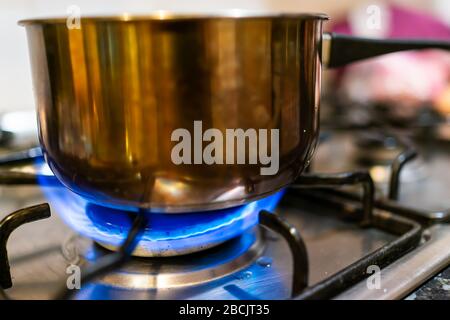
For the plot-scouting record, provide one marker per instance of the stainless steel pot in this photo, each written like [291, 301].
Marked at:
[111, 94]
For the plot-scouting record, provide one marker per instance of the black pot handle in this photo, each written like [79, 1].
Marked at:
[340, 50]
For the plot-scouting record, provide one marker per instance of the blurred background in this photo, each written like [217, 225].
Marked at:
[402, 18]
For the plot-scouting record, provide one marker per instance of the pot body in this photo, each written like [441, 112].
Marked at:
[110, 95]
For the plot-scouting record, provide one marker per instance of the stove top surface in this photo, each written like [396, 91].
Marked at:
[259, 263]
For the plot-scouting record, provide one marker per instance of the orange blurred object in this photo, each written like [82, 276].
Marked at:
[442, 102]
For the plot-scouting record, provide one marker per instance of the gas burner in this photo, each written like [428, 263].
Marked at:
[181, 271]
[381, 151]
[377, 148]
[164, 234]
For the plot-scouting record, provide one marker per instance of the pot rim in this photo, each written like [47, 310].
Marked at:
[162, 15]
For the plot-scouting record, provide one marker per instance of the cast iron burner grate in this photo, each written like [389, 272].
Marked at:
[399, 221]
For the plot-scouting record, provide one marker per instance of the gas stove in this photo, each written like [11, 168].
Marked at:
[368, 220]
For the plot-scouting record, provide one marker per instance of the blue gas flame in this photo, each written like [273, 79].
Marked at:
[176, 233]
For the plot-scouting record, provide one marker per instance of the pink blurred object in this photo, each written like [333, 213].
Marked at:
[406, 23]
[408, 79]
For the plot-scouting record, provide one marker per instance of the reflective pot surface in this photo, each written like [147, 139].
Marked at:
[111, 93]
